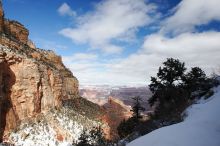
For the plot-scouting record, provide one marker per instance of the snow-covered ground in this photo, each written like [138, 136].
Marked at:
[56, 128]
[200, 128]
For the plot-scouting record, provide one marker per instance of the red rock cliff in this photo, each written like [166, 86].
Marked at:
[13, 28]
[38, 92]
[32, 81]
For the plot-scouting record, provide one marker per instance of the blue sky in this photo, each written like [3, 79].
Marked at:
[122, 42]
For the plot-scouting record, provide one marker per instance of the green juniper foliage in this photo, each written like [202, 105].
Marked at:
[126, 127]
[173, 88]
[137, 108]
[95, 137]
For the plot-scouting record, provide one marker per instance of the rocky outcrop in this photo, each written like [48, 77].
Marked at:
[30, 86]
[16, 30]
[116, 112]
[13, 29]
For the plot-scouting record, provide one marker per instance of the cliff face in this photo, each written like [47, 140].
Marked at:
[30, 86]
[35, 85]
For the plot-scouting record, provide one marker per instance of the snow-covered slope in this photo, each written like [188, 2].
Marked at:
[55, 128]
[200, 128]
[58, 126]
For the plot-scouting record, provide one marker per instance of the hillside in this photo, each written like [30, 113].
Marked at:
[116, 112]
[201, 127]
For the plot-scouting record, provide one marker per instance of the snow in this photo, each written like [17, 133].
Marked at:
[65, 144]
[39, 134]
[201, 127]
[44, 132]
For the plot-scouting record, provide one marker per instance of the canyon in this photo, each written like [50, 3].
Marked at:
[40, 99]
[117, 102]
[101, 94]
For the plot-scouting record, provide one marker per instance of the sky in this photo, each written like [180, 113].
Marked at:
[122, 42]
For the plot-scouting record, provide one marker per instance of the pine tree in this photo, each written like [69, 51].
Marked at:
[167, 89]
[97, 136]
[168, 77]
[195, 79]
[83, 139]
[126, 127]
[137, 108]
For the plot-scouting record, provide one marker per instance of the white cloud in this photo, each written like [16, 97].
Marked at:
[85, 67]
[191, 13]
[80, 57]
[65, 9]
[111, 20]
[195, 49]
[99, 28]
[89, 70]
[82, 62]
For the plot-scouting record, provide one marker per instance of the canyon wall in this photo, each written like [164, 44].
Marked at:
[30, 86]
[39, 96]
[32, 81]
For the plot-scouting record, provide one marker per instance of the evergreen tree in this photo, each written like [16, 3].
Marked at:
[167, 89]
[83, 139]
[126, 127]
[172, 72]
[97, 136]
[137, 108]
[168, 77]
[195, 79]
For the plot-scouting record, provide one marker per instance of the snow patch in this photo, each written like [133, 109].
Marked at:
[200, 128]
[56, 128]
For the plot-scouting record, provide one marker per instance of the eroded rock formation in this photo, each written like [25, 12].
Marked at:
[31, 85]
[34, 83]
[14, 30]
